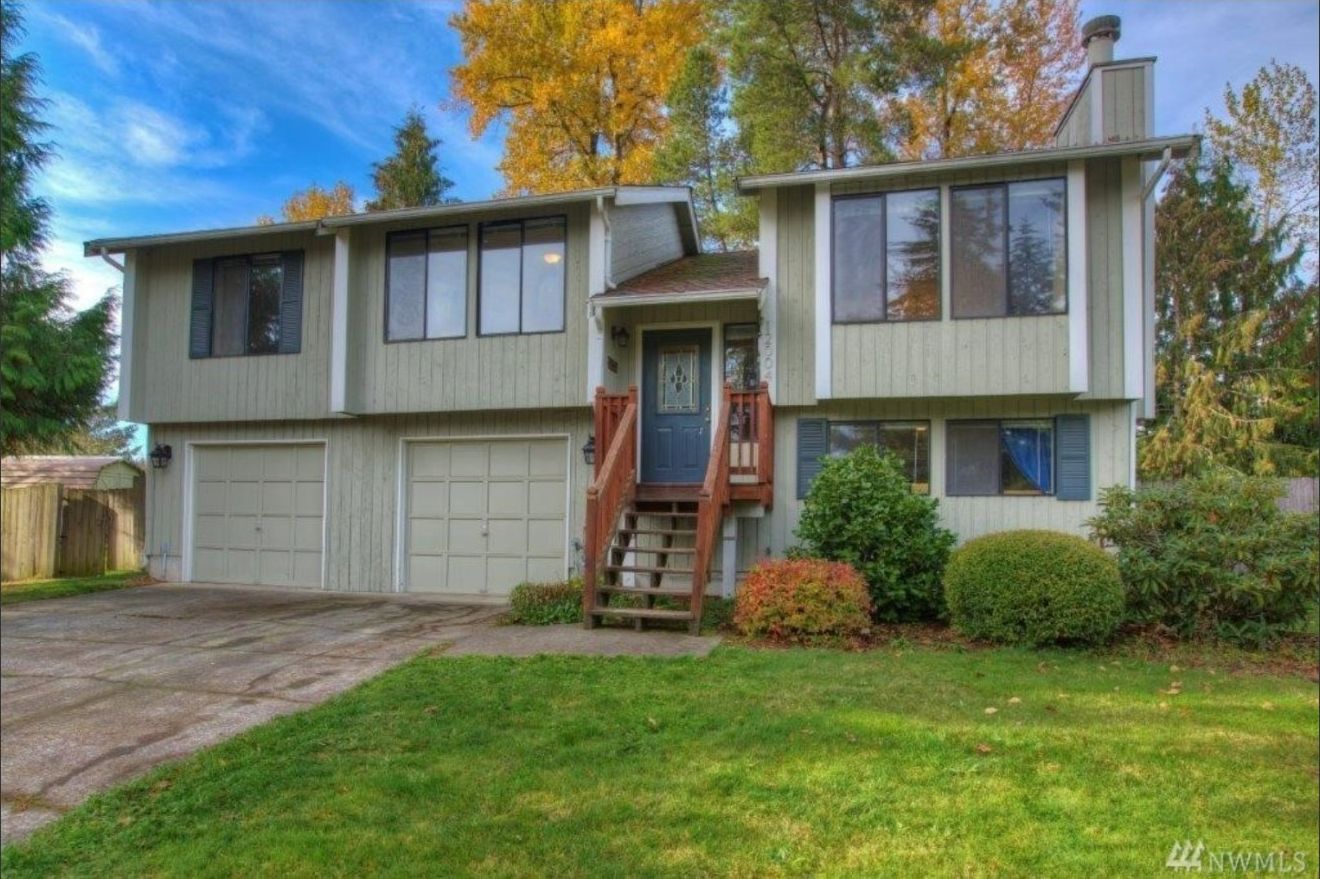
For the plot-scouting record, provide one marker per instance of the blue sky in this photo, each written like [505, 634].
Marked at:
[189, 114]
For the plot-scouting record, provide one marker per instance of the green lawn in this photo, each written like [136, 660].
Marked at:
[36, 590]
[752, 762]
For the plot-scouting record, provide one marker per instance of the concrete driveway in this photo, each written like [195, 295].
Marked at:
[97, 689]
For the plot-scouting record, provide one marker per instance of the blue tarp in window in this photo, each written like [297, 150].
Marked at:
[1031, 451]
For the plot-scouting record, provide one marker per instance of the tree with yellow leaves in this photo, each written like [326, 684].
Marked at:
[315, 202]
[1004, 73]
[580, 83]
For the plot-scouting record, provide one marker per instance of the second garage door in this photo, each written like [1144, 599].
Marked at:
[483, 515]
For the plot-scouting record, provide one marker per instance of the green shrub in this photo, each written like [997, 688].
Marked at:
[1212, 556]
[1034, 588]
[543, 604]
[861, 510]
[802, 600]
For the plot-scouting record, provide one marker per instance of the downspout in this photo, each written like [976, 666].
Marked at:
[609, 242]
[1155, 178]
[105, 255]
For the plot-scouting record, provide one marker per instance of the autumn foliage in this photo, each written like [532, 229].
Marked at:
[802, 599]
[581, 85]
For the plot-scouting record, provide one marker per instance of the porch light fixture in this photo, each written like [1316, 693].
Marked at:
[589, 450]
[620, 335]
[160, 457]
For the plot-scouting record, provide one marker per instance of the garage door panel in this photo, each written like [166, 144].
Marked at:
[503, 514]
[546, 499]
[545, 570]
[468, 459]
[259, 514]
[545, 537]
[467, 498]
[508, 459]
[547, 458]
[507, 498]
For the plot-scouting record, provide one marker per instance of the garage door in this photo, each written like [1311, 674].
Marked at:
[485, 515]
[258, 514]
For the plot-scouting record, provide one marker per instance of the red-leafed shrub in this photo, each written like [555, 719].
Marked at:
[802, 600]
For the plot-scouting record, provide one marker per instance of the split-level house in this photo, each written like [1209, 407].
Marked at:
[459, 398]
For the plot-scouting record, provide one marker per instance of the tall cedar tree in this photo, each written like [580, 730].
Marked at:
[704, 152]
[55, 363]
[818, 83]
[1236, 336]
[410, 178]
[1001, 74]
[1270, 133]
[581, 84]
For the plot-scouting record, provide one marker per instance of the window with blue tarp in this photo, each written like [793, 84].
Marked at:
[1000, 457]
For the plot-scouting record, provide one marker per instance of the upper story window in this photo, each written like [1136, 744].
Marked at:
[886, 253]
[908, 440]
[1009, 249]
[426, 284]
[246, 305]
[1000, 457]
[522, 286]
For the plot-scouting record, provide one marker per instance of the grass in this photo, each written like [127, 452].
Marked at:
[38, 590]
[752, 762]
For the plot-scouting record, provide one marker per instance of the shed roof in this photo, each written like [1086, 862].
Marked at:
[71, 471]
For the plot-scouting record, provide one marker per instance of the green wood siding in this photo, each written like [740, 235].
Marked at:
[1076, 128]
[1124, 97]
[795, 292]
[168, 386]
[642, 236]
[1104, 248]
[474, 372]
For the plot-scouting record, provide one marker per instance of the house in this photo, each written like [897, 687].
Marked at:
[98, 472]
[455, 399]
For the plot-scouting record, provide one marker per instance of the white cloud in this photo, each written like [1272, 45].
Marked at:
[152, 138]
[86, 37]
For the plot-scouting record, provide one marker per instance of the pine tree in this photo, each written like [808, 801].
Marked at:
[411, 177]
[55, 363]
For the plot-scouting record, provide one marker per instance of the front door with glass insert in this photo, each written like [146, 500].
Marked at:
[676, 398]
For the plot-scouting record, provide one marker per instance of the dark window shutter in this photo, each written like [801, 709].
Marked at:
[291, 302]
[203, 298]
[812, 445]
[1072, 442]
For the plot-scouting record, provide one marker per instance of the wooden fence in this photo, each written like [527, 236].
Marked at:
[1301, 495]
[50, 531]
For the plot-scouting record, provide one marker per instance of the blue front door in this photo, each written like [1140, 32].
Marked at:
[675, 405]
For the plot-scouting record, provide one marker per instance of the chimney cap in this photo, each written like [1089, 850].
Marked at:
[1102, 26]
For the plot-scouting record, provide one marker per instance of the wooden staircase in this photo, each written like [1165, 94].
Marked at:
[649, 569]
[648, 548]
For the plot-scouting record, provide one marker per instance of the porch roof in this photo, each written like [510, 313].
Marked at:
[694, 278]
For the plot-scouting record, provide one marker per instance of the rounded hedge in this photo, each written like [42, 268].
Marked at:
[802, 600]
[1034, 588]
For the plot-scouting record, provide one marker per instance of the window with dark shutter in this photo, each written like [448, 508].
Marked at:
[812, 445]
[199, 329]
[1073, 436]
[247, 305]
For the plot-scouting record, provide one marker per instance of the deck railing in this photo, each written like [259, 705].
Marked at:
[712, 502]
[614, 485]
[751, 435]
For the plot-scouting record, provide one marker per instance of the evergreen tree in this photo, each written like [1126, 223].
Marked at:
[703, 151]
[54, 362]
[411, 177]
[1235, 338]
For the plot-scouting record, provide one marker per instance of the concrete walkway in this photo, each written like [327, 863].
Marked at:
[98, 689]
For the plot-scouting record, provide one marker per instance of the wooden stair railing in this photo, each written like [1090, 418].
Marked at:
[614, 485]
[752, 444]
[712, 503]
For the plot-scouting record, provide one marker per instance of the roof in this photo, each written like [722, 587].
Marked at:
[71, 471]
[1180, 145]
[702, 276]
[620, 195]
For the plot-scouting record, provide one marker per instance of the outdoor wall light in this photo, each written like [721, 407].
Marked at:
[589, 450]
[620, 335]
[160, 456]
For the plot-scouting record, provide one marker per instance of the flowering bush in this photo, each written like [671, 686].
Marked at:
[802, 599]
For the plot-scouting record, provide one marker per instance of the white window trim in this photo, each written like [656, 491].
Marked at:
[1079, 338]
[1133, 281]
[339, 325]
[768, 268]
[127, 317]
[824, 318]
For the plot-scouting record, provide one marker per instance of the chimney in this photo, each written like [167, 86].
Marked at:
[1099, 36]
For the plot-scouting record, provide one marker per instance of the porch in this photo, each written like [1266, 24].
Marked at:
[684, 435]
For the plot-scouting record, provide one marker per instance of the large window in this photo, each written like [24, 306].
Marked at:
[1009, 249]
[246, 312]
[886, 253]
[522, 277]
[908, 440]
[426, 284]
[1000, 458]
